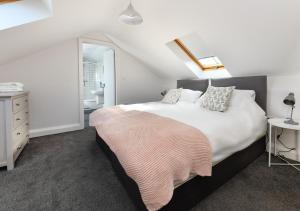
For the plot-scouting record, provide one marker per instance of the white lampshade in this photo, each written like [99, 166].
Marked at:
[131, 16]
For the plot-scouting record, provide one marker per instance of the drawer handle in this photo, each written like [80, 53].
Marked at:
[18, 134]
[17, 104]
[18, 119]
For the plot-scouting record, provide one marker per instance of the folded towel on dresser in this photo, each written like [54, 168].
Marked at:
[11, 87]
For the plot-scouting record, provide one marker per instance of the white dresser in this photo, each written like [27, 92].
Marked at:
[14, 126]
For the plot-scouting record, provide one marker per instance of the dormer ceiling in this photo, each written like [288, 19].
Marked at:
[249, 37]
[14, 13]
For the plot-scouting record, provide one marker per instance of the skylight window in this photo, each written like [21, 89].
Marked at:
[7, 1]
[212, 62]
[204, 63]
[15, 13]
[198, 57]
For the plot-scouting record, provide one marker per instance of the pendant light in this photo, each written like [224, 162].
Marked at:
[131, 16]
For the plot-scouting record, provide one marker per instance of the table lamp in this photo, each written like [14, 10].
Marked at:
[290, 100]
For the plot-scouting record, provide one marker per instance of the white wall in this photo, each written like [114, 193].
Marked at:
[51, 76]
[278, 89]
[136, 83]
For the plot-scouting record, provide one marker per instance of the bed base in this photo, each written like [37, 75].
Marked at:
[193, 191]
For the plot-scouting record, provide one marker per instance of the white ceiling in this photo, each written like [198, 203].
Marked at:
[250, 37]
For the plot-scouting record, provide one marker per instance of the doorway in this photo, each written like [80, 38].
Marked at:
[97, 61]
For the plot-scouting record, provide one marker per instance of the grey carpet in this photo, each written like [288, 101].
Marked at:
[69, 172]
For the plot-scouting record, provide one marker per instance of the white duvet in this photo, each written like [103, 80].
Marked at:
[228, 132]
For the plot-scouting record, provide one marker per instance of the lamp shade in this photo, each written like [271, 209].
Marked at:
[290, 99]
[131, 16]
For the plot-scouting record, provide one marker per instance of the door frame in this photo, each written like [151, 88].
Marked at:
[81, 41]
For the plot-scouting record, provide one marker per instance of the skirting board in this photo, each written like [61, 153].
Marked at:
[54, 130]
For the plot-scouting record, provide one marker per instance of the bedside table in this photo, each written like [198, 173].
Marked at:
[279, 123]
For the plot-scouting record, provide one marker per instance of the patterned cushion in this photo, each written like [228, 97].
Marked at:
[172, 96]
[216, 98]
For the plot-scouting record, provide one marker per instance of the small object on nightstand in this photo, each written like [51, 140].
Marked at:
[290, 100]
[281, 123]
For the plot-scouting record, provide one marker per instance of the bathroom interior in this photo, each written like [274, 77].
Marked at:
[98, 78]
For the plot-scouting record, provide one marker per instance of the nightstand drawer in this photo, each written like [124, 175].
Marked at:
[18, 149]
[20, 117]
[19, 103]
[19, 135]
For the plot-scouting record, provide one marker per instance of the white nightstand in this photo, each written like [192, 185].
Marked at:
[279, 123]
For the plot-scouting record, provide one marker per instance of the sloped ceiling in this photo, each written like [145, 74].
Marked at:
[250, 37]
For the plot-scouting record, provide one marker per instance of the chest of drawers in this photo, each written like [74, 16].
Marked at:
[14, 126]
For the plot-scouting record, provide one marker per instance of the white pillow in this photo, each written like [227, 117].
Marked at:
[172, 96]
[188, 95]
[239, 96]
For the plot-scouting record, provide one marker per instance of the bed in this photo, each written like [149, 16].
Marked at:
[186, 195]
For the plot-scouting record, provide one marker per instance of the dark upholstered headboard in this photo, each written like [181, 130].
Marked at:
[200, 85]
[256, 83]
